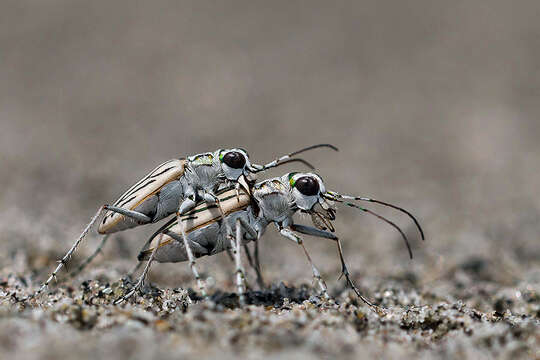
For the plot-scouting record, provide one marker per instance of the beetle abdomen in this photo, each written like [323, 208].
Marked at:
[144, 197]
[204, 227]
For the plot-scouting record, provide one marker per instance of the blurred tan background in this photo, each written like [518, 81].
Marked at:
[434, 106]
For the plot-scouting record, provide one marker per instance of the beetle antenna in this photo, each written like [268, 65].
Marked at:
[308, 164]
[281, 160]
[313, 147]
[335, 195]
[387, 221]
[381, 218]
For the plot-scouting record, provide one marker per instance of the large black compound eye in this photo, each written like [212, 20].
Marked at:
[307, 185]
[234, 159]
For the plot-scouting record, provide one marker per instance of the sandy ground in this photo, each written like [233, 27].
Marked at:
[434, 107]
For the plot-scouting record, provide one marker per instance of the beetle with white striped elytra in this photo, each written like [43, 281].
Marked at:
[275, 201]
[175, 187]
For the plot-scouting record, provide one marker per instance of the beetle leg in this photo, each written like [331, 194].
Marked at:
[70, 252]
[147, 243]
[186, 205]
[308, 230]
[248, 228]
[91, 257]
[227, 225]
[137, 216]
[229, 253]
[237, 188]
[218, 203]
[287, 233]
[344, 271]
[140, 282]
[189, 201]
[260, 280]
[132, 214]
[209, 198]
[191, 258]
[240, 274]
[256, 266]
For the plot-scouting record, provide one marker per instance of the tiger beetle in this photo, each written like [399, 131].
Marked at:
[204, 230]
[175, 187]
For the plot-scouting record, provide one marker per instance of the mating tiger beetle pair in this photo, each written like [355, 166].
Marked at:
[219, 208]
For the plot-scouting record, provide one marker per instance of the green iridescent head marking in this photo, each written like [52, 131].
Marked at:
[203, 159]
[291, 180]
[221, 156]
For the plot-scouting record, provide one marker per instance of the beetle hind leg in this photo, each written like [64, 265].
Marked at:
[89, 259]
[140, 217]
[135, 215]
[62, 262]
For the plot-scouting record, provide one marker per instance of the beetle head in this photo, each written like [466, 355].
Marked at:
[307, 190]
[234, 162]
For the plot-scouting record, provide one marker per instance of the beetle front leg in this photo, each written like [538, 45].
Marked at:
[344, 271]
[287, 233]
[308, 230]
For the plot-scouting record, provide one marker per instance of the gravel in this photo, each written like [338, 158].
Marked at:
[478, 318]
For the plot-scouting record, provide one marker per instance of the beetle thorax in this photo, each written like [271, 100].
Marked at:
[204, 171]
[274, 201]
